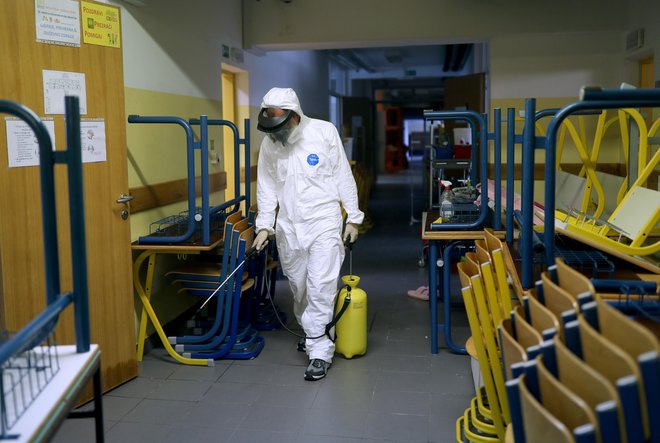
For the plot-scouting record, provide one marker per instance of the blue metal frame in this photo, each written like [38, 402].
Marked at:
[39, 327]
[527, 194]
[446, 300]
[475, 120]
[530, 143]
[497, 160]
[190, 158]
[525, 216]
[594, 99]
[510, 169]
[202, 146]
[237, 165]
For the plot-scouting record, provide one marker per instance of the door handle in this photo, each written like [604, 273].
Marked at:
[124, 198]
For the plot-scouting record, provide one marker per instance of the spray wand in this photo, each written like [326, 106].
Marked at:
[250, 252]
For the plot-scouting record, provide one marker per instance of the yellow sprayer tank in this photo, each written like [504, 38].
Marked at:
[351, 328]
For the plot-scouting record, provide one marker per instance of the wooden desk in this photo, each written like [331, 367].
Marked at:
[451, 239]
[650, 262]
[151, 252]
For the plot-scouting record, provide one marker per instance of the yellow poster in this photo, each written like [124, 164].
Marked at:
[100, 25]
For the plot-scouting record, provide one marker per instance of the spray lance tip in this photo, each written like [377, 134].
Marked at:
[250, 252]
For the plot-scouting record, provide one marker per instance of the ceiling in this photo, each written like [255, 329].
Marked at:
[386, 59]
[411, 75]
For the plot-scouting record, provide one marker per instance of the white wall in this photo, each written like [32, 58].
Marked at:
[176, 47]
[541, 49]
[349, 23]
[555, 65]
[304, 71]
[646, 14]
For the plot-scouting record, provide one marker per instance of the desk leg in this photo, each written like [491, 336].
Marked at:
[98, 406]
[146, 306]
[446, 293]
[433, 291]
[151, 264]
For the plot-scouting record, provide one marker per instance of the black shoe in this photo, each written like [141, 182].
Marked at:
[317, 369]
[301, 345]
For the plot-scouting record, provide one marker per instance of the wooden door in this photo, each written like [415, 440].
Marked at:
[467, 92]
[108, 235]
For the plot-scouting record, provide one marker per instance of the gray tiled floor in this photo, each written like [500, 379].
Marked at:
[397, 392]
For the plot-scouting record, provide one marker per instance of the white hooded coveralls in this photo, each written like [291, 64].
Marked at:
[308, 177]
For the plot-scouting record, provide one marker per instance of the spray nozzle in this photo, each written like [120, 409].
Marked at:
[250, 252]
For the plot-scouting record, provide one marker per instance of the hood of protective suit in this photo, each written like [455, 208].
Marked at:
[286, 98]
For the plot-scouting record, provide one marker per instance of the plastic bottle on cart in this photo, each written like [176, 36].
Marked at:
[447, 202]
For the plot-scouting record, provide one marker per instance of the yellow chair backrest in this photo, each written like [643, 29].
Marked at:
[557, 299]
[542, 318]
[526, 335]
[586, 382]
[492, 294]
[540, 426]
[572, 281]
[611, 361]
[471, 258]
[484, 359]
[562, 402]
[624, 332]
[241, 225]
[248, 236]
[465, 271]
[494, 243]
[485, 315]
[481, 250]
[502, 280]
[495, 281]
[234, 217]
[512, 351]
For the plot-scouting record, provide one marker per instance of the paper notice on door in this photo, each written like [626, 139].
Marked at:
[22, 146]
[57, 22]
[57, 85]
[92, 137]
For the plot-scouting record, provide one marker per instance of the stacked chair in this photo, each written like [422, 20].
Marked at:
[558, 365]
[227, 333]
[265, 316]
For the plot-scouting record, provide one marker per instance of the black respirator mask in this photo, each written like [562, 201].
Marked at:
[277, 128]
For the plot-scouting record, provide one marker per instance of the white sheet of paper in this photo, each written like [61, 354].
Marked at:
[57, 84]
[92, 137]
[57, 21]
[464, 134]
[22, 147]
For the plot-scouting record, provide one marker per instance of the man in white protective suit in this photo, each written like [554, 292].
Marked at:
[303, 168]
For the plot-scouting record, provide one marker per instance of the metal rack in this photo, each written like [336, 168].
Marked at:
[177, 225]
[437, 168]
[24, 376]
[36, 394]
